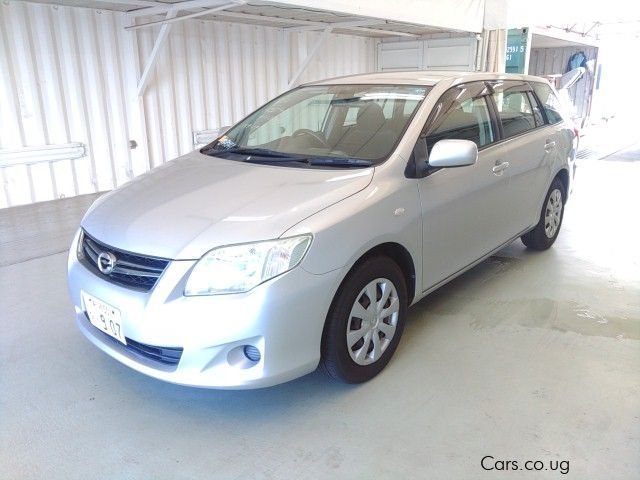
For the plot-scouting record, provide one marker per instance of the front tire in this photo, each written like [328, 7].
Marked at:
[546, 231]
[365, 321]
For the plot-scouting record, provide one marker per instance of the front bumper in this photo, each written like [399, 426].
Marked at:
[283, 318]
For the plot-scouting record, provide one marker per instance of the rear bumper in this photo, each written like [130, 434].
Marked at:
[282, 318]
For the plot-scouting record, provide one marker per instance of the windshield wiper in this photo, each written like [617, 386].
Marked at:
[315, 161]
[338, 162]
[264, 155]
[260, 152]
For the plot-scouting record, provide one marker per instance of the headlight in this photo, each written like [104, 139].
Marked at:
[239, 268]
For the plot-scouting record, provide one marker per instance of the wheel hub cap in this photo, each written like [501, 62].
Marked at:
[553, 213]
[372, 321]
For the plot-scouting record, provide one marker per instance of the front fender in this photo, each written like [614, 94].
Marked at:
[386, 211]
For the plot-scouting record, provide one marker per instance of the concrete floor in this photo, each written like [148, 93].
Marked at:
[529, 356]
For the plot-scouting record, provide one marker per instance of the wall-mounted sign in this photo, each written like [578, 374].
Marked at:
[516, 50]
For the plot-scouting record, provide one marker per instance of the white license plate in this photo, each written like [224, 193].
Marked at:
[104, 316]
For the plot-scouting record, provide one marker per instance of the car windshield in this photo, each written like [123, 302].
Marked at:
[329, 125]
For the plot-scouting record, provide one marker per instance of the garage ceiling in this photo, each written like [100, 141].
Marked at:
[267, 14]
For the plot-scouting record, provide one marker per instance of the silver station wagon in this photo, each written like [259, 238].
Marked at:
[302, 235]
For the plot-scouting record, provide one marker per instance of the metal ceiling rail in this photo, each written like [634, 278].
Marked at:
[137, 3]
[392, 33]
[323, 25]
[359, 25]
[233, 3]
[160, 7]
[313, 25]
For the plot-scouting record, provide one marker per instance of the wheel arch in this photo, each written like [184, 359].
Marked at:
[563, 176]
[399, 254]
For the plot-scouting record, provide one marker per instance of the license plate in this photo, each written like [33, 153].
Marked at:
[104, 316]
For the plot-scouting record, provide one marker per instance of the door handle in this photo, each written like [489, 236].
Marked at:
[500, 167]
[549, 145]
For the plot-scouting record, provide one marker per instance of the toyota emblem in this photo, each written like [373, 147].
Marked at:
[106, 262]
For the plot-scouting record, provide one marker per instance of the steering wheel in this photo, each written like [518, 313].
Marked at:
[315, 135]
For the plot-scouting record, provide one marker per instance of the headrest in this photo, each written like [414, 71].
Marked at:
[370, 117]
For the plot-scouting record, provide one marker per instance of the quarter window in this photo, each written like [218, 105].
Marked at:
[537, 113]
[515, 112]
[549, 101]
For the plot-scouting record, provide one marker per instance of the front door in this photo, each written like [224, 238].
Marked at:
[463, 208]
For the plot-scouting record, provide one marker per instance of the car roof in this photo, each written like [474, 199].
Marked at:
[423, 77]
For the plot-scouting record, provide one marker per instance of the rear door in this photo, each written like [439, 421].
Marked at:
[559, 126]
[528, 147]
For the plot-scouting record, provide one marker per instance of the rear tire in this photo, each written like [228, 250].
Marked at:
[362, 333]
[546, 231]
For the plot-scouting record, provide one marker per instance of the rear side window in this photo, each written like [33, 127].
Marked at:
[549, 101]
[515, 112]
[462, 113]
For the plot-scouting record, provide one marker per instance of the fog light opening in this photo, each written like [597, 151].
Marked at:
[252, 353]
[244, 356]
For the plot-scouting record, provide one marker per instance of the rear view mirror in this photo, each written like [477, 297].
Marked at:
[453, 153]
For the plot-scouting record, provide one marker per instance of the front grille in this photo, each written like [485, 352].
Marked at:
[131, 270]
[164, 355]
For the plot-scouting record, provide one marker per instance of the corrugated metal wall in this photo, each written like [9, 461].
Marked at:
[549, 61]
[69, 75]
[61, 81]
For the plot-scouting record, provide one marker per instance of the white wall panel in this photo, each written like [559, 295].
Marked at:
[450, 53]
[69, 75]
[431, 53]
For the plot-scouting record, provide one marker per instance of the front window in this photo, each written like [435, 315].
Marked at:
[324, 125]
[462, 113]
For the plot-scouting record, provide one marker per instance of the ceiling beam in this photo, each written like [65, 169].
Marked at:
[165, 7]
[184, 17]
[596, 24]
[312, 25]
[265, 18]
[151, 61]
[353, 23]
[385, 32]
[310, 55]
[137, 3]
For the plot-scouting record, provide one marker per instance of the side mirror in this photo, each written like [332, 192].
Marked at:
[453, 153]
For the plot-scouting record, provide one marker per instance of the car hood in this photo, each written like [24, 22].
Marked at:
[190, 205]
